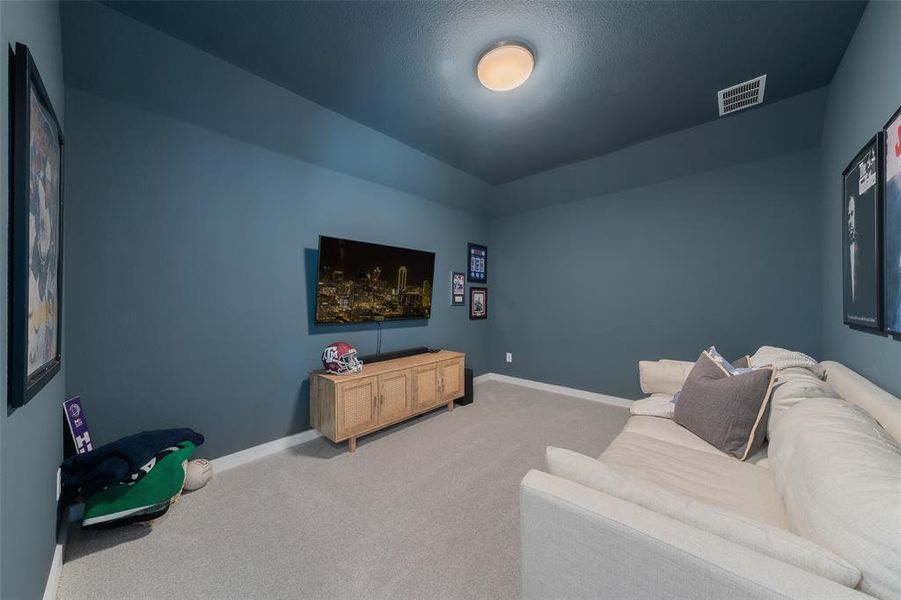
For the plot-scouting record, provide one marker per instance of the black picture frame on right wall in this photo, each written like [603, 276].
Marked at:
[891, 176]
[862, 237]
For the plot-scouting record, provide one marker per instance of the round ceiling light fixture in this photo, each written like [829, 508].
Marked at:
[505, 66]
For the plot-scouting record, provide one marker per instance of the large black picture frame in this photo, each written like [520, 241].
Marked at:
[891, 200]
[862, 238]
[35, 262]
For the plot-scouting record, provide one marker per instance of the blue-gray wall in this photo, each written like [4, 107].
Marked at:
[191, 242]
[725, 254]
[865, 92]
[119, 58]
[31, 436]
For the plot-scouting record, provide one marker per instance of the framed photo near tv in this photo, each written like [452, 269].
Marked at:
[477, 259]
[35, 352]
[458, 289]
[891, 146]
[862, 237]
[478, 303]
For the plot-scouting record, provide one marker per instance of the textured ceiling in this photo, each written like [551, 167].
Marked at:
[608, 75]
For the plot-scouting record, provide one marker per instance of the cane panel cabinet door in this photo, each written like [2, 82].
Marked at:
[357, 405]
[450, 378]
[425, 386]
[395, 395]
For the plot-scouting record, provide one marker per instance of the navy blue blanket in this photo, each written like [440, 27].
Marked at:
[109, 464]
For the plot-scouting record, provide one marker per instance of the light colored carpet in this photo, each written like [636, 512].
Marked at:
[427, 509]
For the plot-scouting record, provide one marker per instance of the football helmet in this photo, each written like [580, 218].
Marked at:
[340, 358]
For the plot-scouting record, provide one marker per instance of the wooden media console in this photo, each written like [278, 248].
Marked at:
[345, 407]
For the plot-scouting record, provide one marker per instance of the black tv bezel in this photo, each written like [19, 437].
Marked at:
[318, 270]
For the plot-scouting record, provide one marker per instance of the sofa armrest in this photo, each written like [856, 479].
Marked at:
[578, 542]
[663, 376]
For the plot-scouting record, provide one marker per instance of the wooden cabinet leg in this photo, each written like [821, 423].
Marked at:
[352, 444]
[450, 406]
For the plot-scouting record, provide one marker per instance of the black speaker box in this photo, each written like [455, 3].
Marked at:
[467, 389]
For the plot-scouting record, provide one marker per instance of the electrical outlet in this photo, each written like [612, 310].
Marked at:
[509, 357]
[59, 484]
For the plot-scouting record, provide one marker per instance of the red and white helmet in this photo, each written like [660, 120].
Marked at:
[340, 358]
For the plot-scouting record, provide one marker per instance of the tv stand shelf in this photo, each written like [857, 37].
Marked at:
[345, 407]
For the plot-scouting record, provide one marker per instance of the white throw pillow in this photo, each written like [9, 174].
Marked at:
[663, 376]
[839, 474]
[761, 537]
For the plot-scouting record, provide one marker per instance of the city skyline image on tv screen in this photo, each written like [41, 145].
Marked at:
[359, 282]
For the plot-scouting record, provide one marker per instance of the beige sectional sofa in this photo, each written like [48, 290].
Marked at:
[663, 514]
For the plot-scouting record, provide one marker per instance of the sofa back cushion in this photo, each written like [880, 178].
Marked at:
[792, 385]
[725, 406]
[856, 389]
[762, 537]
[839, 474]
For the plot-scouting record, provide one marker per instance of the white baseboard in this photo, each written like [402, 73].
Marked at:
[555, 389]
[230, 461]
[482, 378]
[56, 565]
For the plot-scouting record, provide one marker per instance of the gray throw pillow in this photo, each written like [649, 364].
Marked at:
[726, 410]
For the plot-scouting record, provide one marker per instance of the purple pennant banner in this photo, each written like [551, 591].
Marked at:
[78, 426]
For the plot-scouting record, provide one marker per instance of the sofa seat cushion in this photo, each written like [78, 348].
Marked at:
[839, 474]
[762, 537]
[703, 473]
[668, 430]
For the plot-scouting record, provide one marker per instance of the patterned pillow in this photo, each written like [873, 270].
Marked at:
[726, 405]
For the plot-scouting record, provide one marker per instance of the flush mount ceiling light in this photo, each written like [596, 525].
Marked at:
[505, 66]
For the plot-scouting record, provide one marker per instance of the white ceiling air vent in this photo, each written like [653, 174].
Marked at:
[741, 96]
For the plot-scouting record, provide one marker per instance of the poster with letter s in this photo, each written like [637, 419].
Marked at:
[892, 199]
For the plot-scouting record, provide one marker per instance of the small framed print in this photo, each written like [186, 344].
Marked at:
[478, 263]
[862, 237]
[458, 289]
[478, 303]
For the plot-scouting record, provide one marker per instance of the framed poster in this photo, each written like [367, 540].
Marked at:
[478, 263]
[892, 230]
[36, 234]
[862, 237]
[478, 303]
[458, 289]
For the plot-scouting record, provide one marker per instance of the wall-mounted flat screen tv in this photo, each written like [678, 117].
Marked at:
[359, 282]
